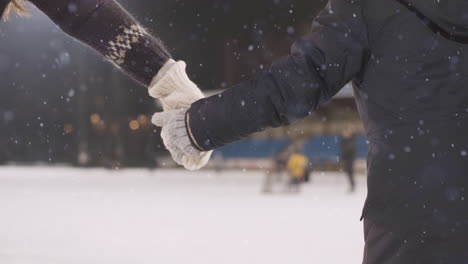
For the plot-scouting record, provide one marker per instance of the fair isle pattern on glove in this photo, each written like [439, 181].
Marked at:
[176, 139]
[173, 87]
[118, 48]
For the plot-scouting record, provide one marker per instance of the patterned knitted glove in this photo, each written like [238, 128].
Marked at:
[173, 87]
[176, 139]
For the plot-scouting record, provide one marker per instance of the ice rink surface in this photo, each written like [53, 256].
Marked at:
[97, 216]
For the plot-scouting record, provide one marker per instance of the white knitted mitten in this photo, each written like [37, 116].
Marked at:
[173, 87]
[177, 141]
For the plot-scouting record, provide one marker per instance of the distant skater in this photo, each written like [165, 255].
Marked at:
[298, 168]
[348, 156]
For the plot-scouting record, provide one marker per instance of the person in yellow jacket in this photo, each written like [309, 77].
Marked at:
[298, 167]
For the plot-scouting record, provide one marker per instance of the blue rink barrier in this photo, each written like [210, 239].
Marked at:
[253, 148]
[324, 148]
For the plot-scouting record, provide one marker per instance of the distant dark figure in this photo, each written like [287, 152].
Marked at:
[277, 169]
[308, 172]
[348, 155]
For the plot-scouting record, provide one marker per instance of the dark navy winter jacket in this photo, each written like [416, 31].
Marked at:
[408, 62]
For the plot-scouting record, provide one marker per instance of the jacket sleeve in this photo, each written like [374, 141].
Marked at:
[107, 28]
[320, 64]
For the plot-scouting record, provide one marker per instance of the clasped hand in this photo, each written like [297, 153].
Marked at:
[177, 92]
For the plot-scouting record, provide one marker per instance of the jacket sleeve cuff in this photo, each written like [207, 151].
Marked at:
[192, 138]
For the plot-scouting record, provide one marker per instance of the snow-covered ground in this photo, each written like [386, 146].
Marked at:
[71, 216]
